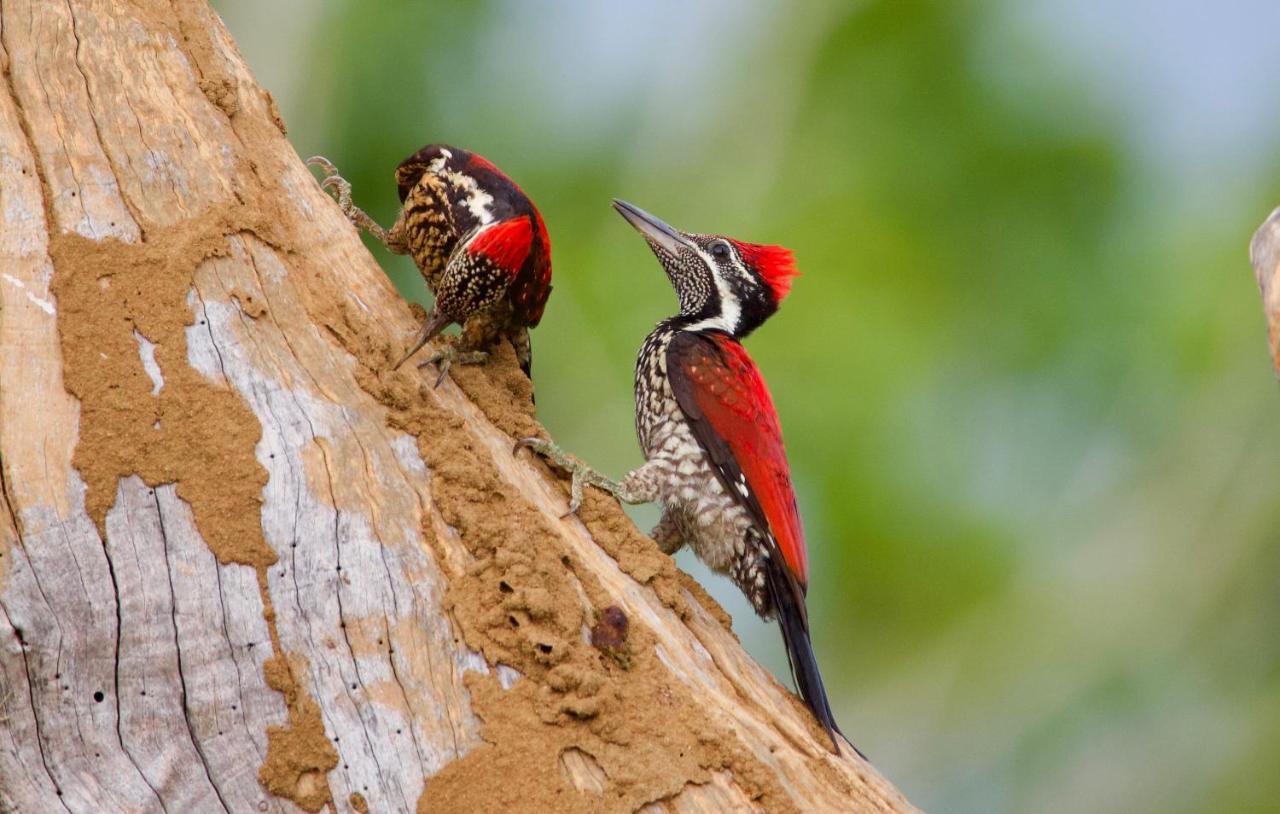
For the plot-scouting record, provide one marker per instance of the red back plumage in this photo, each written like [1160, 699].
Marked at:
[479, 162]
[532, 292]
[531, 279]
[730, 410]
[776, 264]
[505, 244]
[518, 243]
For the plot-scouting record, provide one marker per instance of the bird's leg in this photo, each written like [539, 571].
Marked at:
[640, 486]
[446, 355]
[479, 331]
[669, 533]
[340, 188]
[524, 350]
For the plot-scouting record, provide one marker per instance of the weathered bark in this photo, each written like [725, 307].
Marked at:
[243, 565]
[1264, 252]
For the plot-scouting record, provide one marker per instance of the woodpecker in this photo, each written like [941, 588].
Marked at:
[713, 448]
[478, 241]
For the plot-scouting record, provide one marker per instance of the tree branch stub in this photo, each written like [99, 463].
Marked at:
[1264, 253]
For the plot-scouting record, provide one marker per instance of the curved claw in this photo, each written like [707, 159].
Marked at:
[331, 178]
[447, 356]
[323, 163]
[342, 185]
[547, 449]
[581, 474]
[340, 189]
[528, 441]
[559, 459]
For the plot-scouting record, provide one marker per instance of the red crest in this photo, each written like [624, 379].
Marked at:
[776, 264]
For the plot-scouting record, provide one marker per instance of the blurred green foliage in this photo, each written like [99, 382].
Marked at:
[1023, 379]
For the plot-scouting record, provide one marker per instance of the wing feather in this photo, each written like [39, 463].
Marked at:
[724, 397]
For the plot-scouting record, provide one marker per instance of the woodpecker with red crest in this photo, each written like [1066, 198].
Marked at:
[478, 241]
[710, 435]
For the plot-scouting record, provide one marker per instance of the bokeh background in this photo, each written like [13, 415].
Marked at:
[1023, 379]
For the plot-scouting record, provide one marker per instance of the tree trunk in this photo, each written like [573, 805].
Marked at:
[245, 566]
[1264, 252]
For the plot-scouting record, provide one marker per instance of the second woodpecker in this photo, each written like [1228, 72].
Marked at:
[712, 443]
[479, 242]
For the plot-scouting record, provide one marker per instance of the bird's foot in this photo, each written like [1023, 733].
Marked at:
[447, 356]
[668, 534]
[583, 475]
[340, 189]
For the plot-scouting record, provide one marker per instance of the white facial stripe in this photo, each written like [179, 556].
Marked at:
[477, 200]
[436, 164]
[730, 308]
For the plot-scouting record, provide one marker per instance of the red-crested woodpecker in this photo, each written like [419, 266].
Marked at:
[714, 457]
[479, 242]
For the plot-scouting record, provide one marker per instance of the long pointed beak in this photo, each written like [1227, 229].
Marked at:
[653, 229]
[434, 324]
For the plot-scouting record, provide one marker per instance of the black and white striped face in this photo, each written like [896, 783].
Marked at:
[717, 288]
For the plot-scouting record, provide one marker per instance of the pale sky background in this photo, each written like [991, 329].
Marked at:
[1197, 84]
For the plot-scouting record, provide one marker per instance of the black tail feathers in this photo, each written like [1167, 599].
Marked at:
[788, 604]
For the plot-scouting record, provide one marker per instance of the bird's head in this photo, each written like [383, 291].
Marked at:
[475, 190]
[441, 160]
[723, 284]
[488, 217]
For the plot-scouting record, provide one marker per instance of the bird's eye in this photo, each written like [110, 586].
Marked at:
[720, 250]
